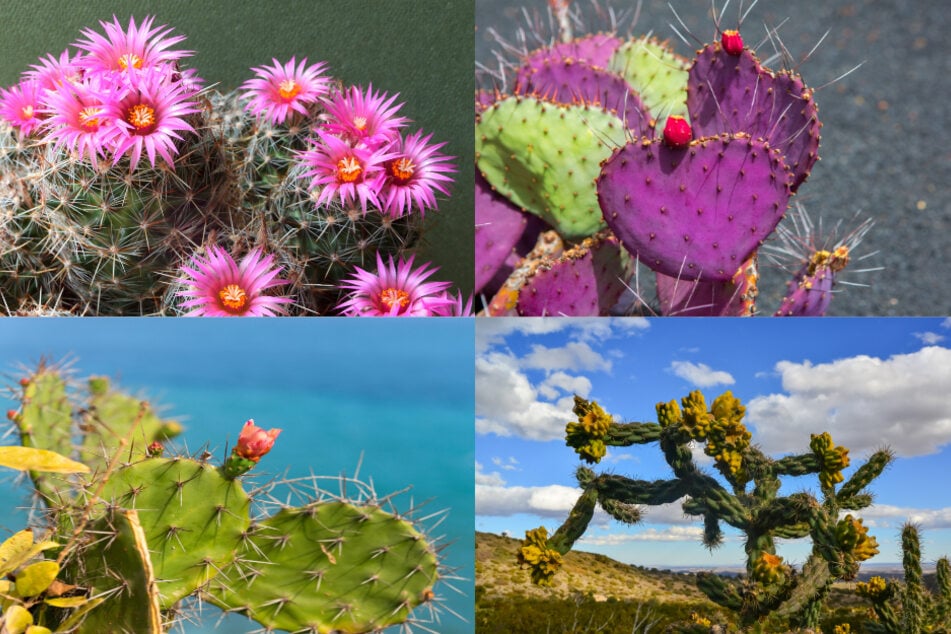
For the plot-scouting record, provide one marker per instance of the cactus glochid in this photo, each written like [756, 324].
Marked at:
[690, 165]
[746, 497]
[131, 536]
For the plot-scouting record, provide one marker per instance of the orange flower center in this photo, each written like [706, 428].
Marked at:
[89, 118]
[360, 123]
[392, 296]
[141, 116]
[233, 298]
[288, 89]
[402, 170]
[348, 169]
[27, 112]
[130, 59]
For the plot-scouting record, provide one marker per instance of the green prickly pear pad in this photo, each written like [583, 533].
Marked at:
[330, 566]
[657, 74]
[193, 517]
[545, 156]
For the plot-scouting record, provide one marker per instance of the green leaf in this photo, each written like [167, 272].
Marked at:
[36, 578]
[30, 459]
[16, 619]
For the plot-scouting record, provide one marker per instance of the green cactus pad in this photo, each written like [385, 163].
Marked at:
[45, 422]
[120, 557]
[657, 74]
[193, 517]
[329, 566]
[108, 425]
[544, 158]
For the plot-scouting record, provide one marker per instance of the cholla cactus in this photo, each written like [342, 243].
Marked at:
[119, 169]
[908, 607]
[135, 532]
[751, 502]
[688, 164]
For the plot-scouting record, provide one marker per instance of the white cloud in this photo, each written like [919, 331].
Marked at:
[559, 383]
[506, 465]
[575, 355]
[946, 323]
[493, 331]
[670, 534]
[895, 516]
[507, 403]
[864, 402]
[700, 374]
[929, 338]
[553, 501]
[493, 479]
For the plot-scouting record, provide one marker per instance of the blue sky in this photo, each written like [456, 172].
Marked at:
[869, 382]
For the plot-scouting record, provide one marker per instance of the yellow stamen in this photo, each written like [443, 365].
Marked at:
[89, 117]
[402, 170]
[233, 298]
[391, 296]
[348, 169]
[360, 123]
[27, 112]
[141, 116]
[288, 89]
[130, 59]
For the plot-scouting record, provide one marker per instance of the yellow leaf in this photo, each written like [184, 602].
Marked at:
[13, 552]
[16, 619]
[38, 629]
[66, 602]
[31, 459]
[36, 578]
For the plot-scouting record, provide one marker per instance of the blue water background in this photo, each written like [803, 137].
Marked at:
[399, 393]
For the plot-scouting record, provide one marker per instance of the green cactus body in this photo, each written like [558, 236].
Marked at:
[119, 557]
[329, 567]
[193, 517]
[913, 599]
[657, 74]
[544, 158]
[116, 422]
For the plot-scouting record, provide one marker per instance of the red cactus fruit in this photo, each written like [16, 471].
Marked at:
[732, 42]
[677, 132]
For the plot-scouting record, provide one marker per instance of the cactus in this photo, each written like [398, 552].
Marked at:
[695, 204]
[908, 607]
[751, 503]
[137, 532]
[127, 171]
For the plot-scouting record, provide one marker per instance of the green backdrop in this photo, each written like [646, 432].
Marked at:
[422, 49]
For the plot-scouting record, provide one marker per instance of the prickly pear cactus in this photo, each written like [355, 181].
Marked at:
[712, 150]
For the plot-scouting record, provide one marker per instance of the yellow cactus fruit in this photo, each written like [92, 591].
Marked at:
[700, 620]
[535, 554]
[697, 421]
[727, 407]
[832, 459]
[844, 628]
[873, 589]
[854, 537]
[769, 569]
[587, 434]
[668, 414]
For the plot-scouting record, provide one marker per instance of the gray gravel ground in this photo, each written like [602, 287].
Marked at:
[886, 144]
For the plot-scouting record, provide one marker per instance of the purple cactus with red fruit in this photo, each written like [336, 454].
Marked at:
[697, 162]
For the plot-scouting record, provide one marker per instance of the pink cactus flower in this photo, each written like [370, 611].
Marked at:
[77, 120]
[279, 90]
[148, 114]
[394, 290]
[20, 105]
[350, 173]
[138, 47]
[455, 307]
[254, 442]
[366, 118]
[220, 287]
[52, 73]
[414, 176]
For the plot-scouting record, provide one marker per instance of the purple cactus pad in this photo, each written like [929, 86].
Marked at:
[585, 282]
[499, 226]
[697, 212]
[596, 50]
[571, 81]
[809, 294]
[685, 298]
[735, 93]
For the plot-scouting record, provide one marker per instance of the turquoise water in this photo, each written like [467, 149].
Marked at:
[395, 396]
